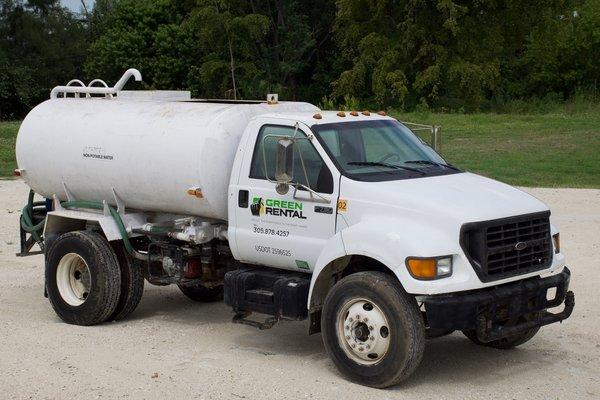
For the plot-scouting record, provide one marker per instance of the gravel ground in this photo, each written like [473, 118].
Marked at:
[173, 348]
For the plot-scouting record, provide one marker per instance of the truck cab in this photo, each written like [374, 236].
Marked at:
[361, 193]
[345, 219]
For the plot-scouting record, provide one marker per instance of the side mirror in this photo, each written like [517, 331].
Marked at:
[284, 164]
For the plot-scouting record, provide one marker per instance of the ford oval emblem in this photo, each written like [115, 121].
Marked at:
[520, 246]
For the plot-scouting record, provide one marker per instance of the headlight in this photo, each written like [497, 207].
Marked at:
[429, 268]
[556, 241]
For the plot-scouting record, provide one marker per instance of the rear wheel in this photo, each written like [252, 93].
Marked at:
[203, 294]
[507, 342]
[372, 329]
[132, 283]
[83, 279]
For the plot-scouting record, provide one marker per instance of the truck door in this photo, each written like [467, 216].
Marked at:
[285, 230]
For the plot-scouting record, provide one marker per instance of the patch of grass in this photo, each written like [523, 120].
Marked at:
[8, 136]
[547, 150]
[543, 150]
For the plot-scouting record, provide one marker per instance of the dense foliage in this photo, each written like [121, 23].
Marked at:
[41, 44]
[436, 54]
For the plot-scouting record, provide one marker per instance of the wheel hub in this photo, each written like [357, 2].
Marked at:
[363, 331]
[73, 279]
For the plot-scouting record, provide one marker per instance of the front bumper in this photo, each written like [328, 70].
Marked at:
[487, 310]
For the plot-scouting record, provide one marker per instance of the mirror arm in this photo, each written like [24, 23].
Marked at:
[305, 173]
[322, 199]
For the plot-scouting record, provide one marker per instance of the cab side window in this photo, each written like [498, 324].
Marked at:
[317, 172]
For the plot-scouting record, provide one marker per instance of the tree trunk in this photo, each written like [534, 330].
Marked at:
[232, 66]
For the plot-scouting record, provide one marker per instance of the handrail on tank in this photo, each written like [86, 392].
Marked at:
[132, 72]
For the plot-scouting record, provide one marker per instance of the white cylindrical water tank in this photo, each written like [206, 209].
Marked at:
[149, 152]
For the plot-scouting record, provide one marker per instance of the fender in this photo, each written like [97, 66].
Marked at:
[391, 240]
[62, 221]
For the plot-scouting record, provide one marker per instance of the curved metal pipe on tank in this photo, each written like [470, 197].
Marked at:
[128, 74]
[132, 72]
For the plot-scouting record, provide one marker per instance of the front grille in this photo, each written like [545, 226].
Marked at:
[508, 247]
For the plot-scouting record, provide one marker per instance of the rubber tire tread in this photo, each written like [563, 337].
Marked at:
[105, 277]
[132, 283]
[403, 316]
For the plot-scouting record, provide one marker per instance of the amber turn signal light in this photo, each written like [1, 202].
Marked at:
[429, 268]
[422, 268]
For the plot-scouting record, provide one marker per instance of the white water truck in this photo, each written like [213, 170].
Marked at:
[346, 219]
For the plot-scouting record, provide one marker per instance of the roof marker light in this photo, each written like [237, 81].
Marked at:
[366, 112]
[354, 114]
[341, 114]
[317, 116]
[382, 113]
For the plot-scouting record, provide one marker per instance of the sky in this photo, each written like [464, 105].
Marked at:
[75, 5]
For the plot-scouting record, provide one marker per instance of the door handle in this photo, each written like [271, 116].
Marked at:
[323, 210]
[243, 196]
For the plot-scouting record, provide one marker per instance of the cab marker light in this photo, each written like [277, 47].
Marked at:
[366, 113]
[317, 116]
[382, 113]
[354, 114]
[429, 268]
[341, 114]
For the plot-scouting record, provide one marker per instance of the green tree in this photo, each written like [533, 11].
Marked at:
[143, 34]
[442, 53]
[226, 34]
[41, 45]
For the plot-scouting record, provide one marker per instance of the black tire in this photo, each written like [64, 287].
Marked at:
[406, 330]
[506, 343]
[132, 283]
[100, 301]
[203, 294]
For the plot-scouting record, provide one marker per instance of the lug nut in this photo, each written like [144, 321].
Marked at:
[360, 349]
[347, 326]
[370, 327]
[353, 345]
[368, 347]
[348, 337]
[371, 338]
[365, 319]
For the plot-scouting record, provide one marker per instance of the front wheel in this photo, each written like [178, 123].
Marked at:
[372, 329]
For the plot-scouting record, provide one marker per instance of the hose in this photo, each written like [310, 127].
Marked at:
[27, 218]
[36, 230]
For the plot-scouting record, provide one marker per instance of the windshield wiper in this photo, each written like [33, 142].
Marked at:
[429, 162]
[382, 164]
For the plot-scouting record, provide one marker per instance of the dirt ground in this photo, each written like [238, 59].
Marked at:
[173, 348]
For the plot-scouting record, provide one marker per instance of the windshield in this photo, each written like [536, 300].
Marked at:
[379, 150]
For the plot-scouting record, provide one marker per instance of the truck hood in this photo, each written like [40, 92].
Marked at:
[462, 197]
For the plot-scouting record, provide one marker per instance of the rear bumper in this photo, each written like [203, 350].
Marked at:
[487, 310]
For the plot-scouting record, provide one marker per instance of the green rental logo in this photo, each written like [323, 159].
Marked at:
[279, 208]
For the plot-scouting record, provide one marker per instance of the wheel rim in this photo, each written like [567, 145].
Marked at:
[363, 331]
[73, 279]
